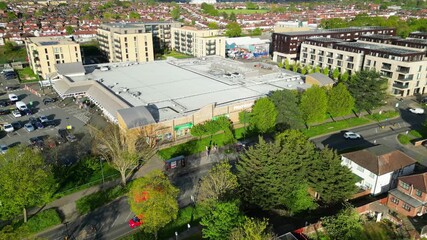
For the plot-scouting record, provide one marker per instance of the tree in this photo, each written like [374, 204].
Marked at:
[153, 199]
[300, 199]
[233, 30]
[344, 77]
[9, 47]
[317, 69]
[122, 150]
[295, 67]
[335, 74]
[288, 112]
[176, 13]
[213, 25]
[232, 17]
[220, 220]
[287, 65]
[256, 32]
[263, 116]
[25, 181]
[251, 6]
[326, 71]
[313, 105]
[3, 6]
[224, 15]
[69, 30]
[368, 88]
[330, 179]
[345, 225]
[252, 229]
[218, 184]
[304, 70]
[135, 15]
[340, 101]
[11, 16]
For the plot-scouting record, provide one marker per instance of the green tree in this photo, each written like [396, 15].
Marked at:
[340, 101]
[326, 71]
[317, 69]
[220, 220]
[344, 77]
[304, 70]
[135, 15]
[154, 200]
[287, 65]
[176, 13]
[11, 16]
[252, 229]
[335, 74]
[300, 199]
[199, 130]
[213, 25]
[264, 114]
[25, 181]
[69, 30]
[256, 32]
[251, 6]
[224, 15]
[232, 17]
[368, 88]
[345, 225]
[9, 47]
[294, 67]
[233, 30]
[3, 6]
[209, 9]
[333, 23]
[314, 104]
[218, 185]
[288, 112]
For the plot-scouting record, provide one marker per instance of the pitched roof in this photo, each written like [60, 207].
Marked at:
[380, 159]
[70, 68]
[136, 116]
[419, 181]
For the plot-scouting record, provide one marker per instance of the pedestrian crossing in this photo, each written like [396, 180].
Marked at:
[80, 114]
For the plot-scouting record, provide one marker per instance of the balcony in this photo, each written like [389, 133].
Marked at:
[408, 77]
[210, 48]
[189, 45]
[330, 55]
[321, 53]
[312, 51]
[339, 63]
[403, 69]
[330, 61]
[189, 35]
[386, 66]
[400, 86]
[350, 59]
[340, 57]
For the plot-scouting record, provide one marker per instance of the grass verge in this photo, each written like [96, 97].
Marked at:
[334, 126]
[177, 55]
[26, 74]
[403, 139]
[381, 117]
[98, 199]
[415, 134]
[42, 221]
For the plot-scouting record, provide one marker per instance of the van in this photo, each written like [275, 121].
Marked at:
[21, 106]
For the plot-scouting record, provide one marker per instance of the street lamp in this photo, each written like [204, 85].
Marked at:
[102, 170]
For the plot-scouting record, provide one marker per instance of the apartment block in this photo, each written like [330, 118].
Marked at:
[288, 45]
[138, 41]
[420, 35]
[198, 42]
[404, 67]
[45, 52]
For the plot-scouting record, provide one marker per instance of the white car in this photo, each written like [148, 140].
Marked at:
[43, 119]
[8, 128]
[416, 110]
[352, 135]
[3, 149]
[13, 97]
[16, 113]
[21, 106]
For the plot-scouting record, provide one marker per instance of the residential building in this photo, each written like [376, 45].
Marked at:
[404, 67]
[172, 96]
[45, 52]
[287, 45]
[410, 196]
[420, 35]
[293, 26]
[198, 42]
[112, 36]
[378, 167]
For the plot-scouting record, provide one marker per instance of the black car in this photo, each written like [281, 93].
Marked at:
[51, 123]
[26, 112]
[46, 101]
[32, 120]
[17, 125]
[4, 111]
[37, 142]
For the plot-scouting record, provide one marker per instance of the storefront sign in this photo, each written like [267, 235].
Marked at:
[183, 126]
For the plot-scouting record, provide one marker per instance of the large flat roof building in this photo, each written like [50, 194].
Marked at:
[174, 95]
[287, 45]
[45, 52]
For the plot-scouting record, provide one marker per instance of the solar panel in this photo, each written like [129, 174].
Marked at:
[49, 43]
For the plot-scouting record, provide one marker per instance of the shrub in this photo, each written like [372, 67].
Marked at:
[415, 133]
[95, 200]
[403, 139]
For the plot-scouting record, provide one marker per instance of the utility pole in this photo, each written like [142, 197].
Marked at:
[102, 170]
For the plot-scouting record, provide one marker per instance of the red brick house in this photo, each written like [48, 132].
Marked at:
[410, 196]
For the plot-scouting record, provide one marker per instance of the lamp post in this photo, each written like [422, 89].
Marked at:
[102, 170]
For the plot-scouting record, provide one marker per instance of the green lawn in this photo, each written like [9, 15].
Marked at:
[244, 11]
[26, 74]
[383, 116]
[95, 200]
[177, 55]
[19, 55]
[334, 126]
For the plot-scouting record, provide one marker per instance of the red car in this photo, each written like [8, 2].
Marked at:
[135, 222]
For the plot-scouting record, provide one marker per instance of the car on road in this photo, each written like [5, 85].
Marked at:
[352, 135]
[21, 105]
[3, 149]
[29, 127]
[51, 123]
[135, 222]
[17, 125]
[13, 97]
[46, 101]
[16, 113]
[8, 128]
[417, 110]
[4, 111]
[43, 119]
[39, 125]
[27, 112]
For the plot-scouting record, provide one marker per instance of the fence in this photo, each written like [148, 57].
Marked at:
[87, 185]
[33, 91]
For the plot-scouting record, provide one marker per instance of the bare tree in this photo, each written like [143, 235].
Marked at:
[124, 150]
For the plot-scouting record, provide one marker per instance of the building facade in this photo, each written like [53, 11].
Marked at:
[404, 67]
[198, 42]
[410, 196]
[287, 45]
[45, 52]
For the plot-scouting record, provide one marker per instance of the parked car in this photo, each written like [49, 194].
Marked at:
[71, 137]
[13, 97]
[17, 125]
[43, 119]
[39, 125]
[352, 135]
[4, 111]
[417, 110]
[3, 149]
[51, 123]
[37, 142]
[29, 127]
[27, 112]
[21, 105]
[8, 128]
[46, 101]
[16, 113]
[135, 222]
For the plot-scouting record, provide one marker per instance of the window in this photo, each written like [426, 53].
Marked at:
[134, 38]
[361, 169]
[395, 200]
[406, 207]
[371, 175]
[418, 193]
[45, 50]
[55, 50]
[404, 185]
[57, 56]
[58, 61]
